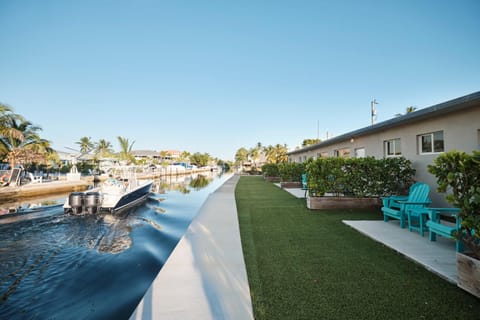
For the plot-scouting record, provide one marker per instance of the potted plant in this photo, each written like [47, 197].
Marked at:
[458, 173]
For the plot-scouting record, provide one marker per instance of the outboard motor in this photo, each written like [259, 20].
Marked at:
[75, 199]
[92, 202]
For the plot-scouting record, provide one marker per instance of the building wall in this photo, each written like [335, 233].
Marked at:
[461, 131]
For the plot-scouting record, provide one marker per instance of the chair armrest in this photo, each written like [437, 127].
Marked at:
[404, 204]
[441, 210]
[435, 213]
[411, 202]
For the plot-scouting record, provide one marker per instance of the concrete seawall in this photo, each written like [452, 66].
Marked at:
[205, 276]
[39, 189]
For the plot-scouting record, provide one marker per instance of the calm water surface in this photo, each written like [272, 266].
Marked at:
[56, 266]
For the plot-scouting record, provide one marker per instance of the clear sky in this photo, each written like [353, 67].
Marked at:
[214, 76]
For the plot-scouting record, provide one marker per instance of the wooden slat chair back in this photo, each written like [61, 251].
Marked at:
[391, 201]
[397, 209]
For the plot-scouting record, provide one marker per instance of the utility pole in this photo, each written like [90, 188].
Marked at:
[373, 111]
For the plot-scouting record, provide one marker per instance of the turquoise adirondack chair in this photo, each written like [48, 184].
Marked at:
[397, 209]
[304, 183]
[392, 201]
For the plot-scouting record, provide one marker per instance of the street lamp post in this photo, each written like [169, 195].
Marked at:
[373, 110]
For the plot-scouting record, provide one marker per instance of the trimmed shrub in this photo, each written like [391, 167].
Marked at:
[270, 170]
[359, 177]
[291, 172]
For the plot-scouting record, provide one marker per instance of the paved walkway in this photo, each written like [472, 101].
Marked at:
[296, 192]
[205, 276]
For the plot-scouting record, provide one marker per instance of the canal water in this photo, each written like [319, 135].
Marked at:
[57, 266]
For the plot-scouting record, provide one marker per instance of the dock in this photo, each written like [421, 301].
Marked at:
[40, 189]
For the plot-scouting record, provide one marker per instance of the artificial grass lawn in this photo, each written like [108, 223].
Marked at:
[305, 264]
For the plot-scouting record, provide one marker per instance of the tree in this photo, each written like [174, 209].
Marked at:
[6, 117]
[126, 150]
[103, 148]
[184, 156]
[254, 153]
[86, 144]
[308, 142]
[241, 156]
[200, 159]
[20, 141]
[408, 110]
[276, 154]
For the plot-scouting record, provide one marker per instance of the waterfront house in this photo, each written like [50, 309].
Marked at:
[147, 155]
[419, 136]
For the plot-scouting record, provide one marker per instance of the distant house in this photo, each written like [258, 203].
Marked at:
[65, 157]
[419, 136]
[146, 155]
[172, 155]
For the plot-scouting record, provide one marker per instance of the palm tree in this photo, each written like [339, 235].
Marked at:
[103, 148]
[86, 144]
[408, 110]
[126, 150]
[241, 156]
[276, 154]
[254, 153]
[20, 141]
[308, 142]
[6, 117]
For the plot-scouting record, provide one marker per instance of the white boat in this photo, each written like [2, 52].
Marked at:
[113, 195]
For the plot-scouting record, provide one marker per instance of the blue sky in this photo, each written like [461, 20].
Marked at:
[214, 76]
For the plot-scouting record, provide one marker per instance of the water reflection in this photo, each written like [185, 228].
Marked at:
[30, 204]
[61, 266]
[182, 183]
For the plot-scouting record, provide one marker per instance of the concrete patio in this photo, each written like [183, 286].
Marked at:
[438, 257]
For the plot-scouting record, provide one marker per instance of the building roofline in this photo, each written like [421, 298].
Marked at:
[453, 105]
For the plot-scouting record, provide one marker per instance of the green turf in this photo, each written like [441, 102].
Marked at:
[305, 264]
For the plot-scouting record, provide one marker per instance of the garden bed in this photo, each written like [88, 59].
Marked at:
[290, 185]
[272, 179]
[327, 203]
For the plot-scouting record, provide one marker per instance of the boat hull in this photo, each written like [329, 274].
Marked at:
[130, 199]
[124, 201]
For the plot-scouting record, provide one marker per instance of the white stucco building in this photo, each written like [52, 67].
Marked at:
[419, 136]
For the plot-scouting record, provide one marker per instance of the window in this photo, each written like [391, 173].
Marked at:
[342, 153]
[392, 147]
[431, 142]
[360, 153]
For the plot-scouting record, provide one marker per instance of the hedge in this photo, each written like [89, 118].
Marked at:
[359, 177]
